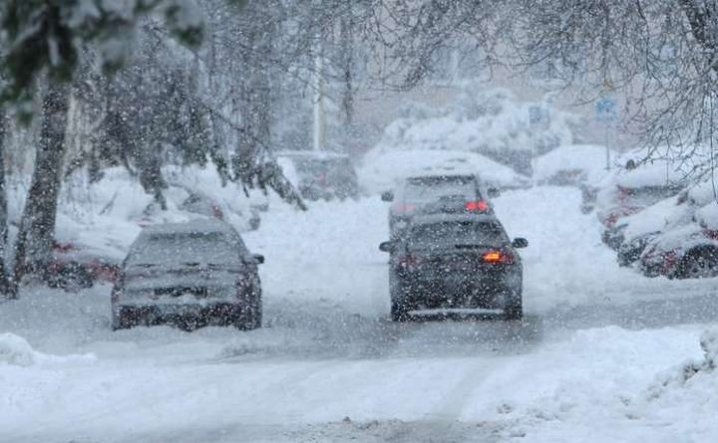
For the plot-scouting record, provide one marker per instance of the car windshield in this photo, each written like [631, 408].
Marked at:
[452, 233]
[183, 248]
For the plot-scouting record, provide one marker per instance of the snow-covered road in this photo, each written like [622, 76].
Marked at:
[595, 359]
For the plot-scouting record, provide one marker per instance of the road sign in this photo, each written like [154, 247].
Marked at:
[606, 110]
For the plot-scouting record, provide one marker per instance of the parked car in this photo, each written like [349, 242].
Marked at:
[455, 262]
[635, 186]
[633, 233]
[190, 274]
[686, 251]
[436, 194]
[320, 175]
[76, 266]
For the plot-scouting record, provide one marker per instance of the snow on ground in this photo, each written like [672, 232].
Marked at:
[602, 355]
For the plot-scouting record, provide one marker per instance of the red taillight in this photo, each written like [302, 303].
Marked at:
[498, 257]
[477, 206]
[401, 208]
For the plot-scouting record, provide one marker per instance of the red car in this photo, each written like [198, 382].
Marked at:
[75, 266]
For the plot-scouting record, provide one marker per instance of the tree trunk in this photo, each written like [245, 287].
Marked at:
[33, 249]
[3, 204]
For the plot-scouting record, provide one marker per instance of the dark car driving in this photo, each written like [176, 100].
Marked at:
[436, 194]
[455, 262]
[190, 274]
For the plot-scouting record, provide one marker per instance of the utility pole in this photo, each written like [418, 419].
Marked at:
[319, 123]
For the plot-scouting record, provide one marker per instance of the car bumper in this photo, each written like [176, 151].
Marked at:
[491, 292]
[204, 314]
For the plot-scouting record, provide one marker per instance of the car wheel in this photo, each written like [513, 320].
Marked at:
[514, 308]
[250, 317]
[72, 277]
[399, 311]
[121, 319]
[699, 263]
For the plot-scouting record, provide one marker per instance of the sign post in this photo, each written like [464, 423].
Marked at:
[607, 114]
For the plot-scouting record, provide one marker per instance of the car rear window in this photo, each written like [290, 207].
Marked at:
[422, 190]
[184, 247]
[456, 233]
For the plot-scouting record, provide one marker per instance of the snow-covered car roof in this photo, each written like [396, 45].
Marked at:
[590, 159]
[682, 237]
[654, 218]
[631, 171]
[382, 168]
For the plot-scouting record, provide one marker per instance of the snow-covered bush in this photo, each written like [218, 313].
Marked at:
[15, 350]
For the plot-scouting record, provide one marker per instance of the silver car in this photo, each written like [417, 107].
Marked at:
[189, 274]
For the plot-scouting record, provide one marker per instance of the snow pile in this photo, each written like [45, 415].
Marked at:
[578, 163]
[106, 216]
[638, 168]
[16, 351]
[685, 397]
[490, 122]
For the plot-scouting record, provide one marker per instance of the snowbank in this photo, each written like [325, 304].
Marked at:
[583, 163]
[15, 350]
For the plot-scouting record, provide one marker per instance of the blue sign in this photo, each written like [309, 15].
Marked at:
[606, 110]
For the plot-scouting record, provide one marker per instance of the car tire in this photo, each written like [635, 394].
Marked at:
[250, 317]
[699, 263]
[514, 308]
[120, 319]
[399, 311]
[71, 278]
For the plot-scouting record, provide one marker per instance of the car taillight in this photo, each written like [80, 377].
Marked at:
[217, 212]
[501, 257]
[401, 208]
[409, 261]
[477, 206]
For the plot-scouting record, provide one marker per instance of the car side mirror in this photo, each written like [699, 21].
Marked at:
[493, 192]
[387, 246]
[387, 196]
[519, 243]
[258, 258]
